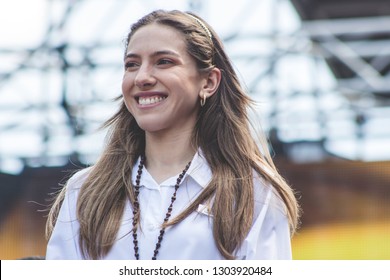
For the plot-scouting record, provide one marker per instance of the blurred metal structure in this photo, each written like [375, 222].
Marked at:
[54, 94]
[353, 37]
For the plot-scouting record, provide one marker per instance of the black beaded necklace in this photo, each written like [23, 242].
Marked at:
[136, 209]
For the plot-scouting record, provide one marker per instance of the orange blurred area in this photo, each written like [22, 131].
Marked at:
[22, 235]
[349, 241]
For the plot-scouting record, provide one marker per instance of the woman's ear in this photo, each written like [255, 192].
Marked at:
[211, 83]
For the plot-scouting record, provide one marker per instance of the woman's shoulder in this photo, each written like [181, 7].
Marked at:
[266, 195]
[262, 188]
[77, 179]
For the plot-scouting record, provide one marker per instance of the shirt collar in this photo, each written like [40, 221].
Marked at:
[199, 170]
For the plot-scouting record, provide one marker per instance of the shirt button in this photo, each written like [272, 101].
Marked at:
[152, 227]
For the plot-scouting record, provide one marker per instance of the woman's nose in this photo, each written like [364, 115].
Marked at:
[144, 78]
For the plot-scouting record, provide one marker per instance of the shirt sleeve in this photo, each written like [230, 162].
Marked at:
[269, 237]
[63, 243]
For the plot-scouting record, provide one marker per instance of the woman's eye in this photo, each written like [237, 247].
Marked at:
[164, 62]
[130, 64]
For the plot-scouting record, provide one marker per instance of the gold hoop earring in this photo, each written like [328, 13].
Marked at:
[203, 100]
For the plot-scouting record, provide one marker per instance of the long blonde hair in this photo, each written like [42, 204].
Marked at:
[222, 132]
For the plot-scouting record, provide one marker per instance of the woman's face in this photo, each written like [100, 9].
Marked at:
[161, 84]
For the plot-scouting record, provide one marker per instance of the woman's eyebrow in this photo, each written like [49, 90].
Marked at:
[132, 55]
[156, 53]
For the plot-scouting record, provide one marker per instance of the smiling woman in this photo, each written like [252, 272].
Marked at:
[181, 177]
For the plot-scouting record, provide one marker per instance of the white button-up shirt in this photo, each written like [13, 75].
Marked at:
[192, 238]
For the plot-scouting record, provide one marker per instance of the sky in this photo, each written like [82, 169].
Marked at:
[257, 35]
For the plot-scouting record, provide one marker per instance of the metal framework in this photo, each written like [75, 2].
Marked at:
[54, 94]
[353, 37]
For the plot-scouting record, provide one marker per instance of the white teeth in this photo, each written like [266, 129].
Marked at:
[150, 100]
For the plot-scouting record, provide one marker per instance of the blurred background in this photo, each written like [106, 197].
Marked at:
[320, 70]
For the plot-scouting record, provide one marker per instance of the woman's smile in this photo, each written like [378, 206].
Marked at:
[150, 100]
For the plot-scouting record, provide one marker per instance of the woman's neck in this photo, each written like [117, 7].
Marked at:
[166, 156]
